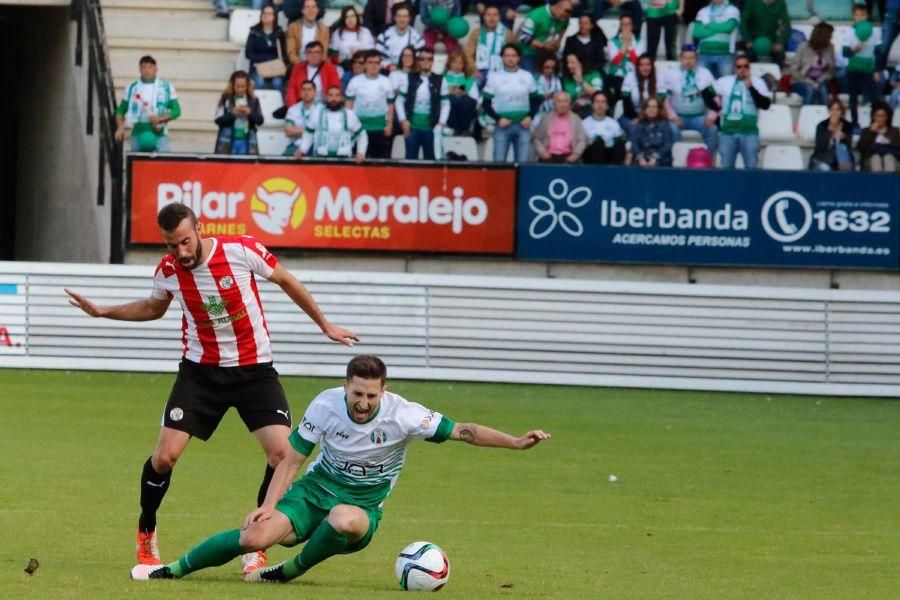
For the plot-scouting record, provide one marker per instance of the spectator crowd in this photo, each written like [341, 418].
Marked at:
[350, 89]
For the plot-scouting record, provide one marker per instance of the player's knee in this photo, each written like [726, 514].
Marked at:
[277, 455]
[348, 520]
[164, 460]
[253, 539]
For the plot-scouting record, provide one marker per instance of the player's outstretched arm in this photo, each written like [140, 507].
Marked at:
[148, 309]
[297, 292]
[282, 478]
[479, 435]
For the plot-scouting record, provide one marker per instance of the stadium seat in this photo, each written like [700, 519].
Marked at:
[775, 124]
[398, 148]
[488, 150]
[239, 24]
[440, 63]
[896, 120]
[804, 28]
[783, 158]
[810, 117]
[270, 101]
[272, 142]
[863, 114]
[680, 151]
[758, 69]
[332, 15]
[610, 27]
[463, 145]
[664, 65]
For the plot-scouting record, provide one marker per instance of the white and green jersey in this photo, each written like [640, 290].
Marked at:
[421, 110]
[739, 112]
[685, 89]
[489, 46]
[141, 99]
[864, 60]
[510, 93]
[606, 129]
[716, 27]
[365, 457]
[332, 133]
[371, 97]
[391, 43]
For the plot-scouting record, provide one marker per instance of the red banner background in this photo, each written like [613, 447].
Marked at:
[468, 210]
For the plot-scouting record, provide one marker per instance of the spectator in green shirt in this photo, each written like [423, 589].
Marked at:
[767, 19]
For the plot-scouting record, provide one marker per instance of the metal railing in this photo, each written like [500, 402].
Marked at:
[90, 32]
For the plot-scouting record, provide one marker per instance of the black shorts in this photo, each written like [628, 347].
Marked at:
[202, 394]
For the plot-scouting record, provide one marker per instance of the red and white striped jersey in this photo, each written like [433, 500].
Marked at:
[223, 322]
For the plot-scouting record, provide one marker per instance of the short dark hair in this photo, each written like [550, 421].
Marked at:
[308, 81]
[882, 105]
[171, 216]
[314, 44]
[401, 6]
[147, 59]
[367, 366]
[510, 47]
[860, 8]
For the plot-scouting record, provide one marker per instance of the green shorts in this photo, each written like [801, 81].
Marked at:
[306, 504]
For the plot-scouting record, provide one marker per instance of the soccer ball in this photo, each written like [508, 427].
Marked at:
[422, 566]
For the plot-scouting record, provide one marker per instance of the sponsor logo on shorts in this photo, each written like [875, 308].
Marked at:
[176, 414]
[378, 437]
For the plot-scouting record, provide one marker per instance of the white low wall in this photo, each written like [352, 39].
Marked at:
[631, 334]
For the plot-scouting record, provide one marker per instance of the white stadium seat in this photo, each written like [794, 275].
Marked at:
[782, 158]
[775, 124]
[398, 149]
[440, 63]
[272, 142]
[488, 149]
[810, 117]
[270, 101]
[896, 120]
[863, 114]
[664, 65]
[680, 151]
[758, 69]
[464, 145]
[610, 27]
[239, 24]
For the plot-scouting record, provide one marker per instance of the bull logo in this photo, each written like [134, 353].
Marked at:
[277, 205]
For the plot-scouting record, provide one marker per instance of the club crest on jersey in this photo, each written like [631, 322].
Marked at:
[378, 437]
[176, 414]
[226, 282]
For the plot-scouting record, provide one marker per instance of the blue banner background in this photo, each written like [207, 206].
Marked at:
[670, 216]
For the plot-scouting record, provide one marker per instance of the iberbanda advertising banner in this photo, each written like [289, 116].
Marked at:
[705, 217]
[334, 206]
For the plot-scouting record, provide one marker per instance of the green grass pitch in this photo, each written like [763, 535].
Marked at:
[718, 495]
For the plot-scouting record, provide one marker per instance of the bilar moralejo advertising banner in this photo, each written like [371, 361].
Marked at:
[671, 216]
[454, 209]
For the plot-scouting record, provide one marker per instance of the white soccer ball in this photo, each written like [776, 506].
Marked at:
[422, 566]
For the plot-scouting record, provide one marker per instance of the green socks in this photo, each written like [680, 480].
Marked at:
[214, 551]
[324, 542]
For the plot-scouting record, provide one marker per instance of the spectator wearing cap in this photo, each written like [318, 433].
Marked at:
[306, 30]
[147, 106]
[559, 137]
[879, 143]
[605, 137]
[691, 94]
[716, 28]
[316, 69]
[743, 96]
[768, 20]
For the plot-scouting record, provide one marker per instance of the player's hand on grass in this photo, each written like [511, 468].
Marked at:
[84, 304]
[531, 439]
[339, 334]
[257, 515]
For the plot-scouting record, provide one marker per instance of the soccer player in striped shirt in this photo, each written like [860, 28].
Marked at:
[227, 356]
[363, 431]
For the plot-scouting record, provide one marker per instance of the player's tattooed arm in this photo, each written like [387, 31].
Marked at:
[479, 435]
